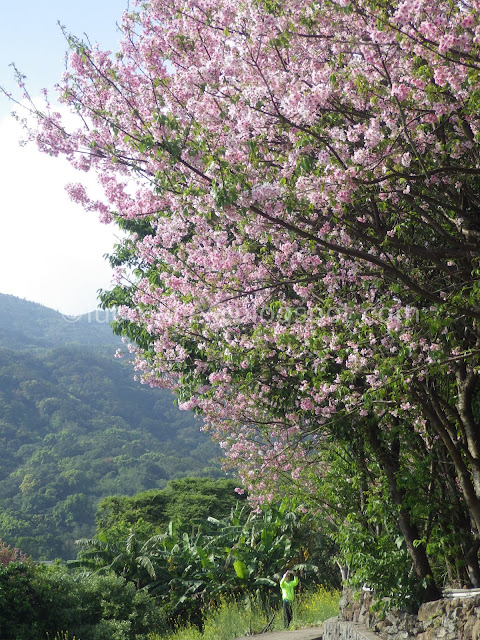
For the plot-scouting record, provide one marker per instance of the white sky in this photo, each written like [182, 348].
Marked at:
[51, 250]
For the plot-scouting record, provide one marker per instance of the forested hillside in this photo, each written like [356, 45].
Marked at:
[75, 427]
[26, 325]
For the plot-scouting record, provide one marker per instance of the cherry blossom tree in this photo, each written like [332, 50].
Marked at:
[10, 554]
[298, 184]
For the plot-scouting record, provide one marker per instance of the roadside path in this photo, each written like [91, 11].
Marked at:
[310, 633]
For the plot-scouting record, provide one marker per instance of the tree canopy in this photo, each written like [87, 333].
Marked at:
[185, 501]
[298, 184]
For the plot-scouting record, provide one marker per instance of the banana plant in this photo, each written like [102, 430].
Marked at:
[129, 558]
[242, 555]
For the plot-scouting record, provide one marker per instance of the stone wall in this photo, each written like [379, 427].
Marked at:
[452, 618]
[335, 629]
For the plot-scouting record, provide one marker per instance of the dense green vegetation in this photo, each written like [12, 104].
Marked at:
[76, 427]
[135, 580]
[49, 600]
[184, 500]
[40, 600]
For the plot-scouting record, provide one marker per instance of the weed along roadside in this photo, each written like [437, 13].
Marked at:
[246, 619]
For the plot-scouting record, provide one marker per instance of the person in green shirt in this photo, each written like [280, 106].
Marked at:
[287, 585]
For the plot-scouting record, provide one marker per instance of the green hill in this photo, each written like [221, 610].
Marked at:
[75, 427]
[28, 325]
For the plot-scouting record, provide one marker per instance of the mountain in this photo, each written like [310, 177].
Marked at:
[29, 325]
[76, 427]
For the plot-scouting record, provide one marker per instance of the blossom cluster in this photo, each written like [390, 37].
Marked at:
[303, 239]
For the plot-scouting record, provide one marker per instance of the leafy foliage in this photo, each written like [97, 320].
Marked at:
[185, 500]
[37, 600]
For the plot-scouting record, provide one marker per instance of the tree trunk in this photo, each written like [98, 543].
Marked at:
[471, 559]
[388, 460]
[439, 422]
[467, 382]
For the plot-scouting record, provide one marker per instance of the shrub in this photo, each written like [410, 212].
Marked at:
[18, 611]
[39, 600]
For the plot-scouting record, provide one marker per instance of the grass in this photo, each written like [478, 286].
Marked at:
[234, 619]
[311, 609]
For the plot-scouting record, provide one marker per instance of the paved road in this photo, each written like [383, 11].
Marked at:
[311, 633]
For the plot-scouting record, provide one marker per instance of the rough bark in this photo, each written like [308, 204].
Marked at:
[389, 461]
[457, 450]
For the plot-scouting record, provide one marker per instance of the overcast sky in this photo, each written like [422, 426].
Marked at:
[51, 250]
